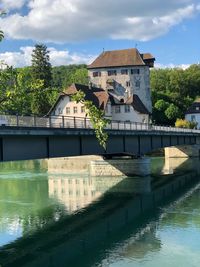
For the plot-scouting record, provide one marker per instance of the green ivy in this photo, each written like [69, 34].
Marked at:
[96, 115]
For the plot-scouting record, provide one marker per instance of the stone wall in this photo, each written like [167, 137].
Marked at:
[182, 151]
[119, 167]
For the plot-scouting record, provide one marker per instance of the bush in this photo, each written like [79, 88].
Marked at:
[180, 123]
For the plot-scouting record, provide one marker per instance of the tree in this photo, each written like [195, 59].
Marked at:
[172, 112]
[41, 70]
[1, 32]
[96, 115]
[41, 66]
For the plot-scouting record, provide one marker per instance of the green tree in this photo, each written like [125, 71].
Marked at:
[41, 70]
[172, 113]
[96, 115]
[41, 66]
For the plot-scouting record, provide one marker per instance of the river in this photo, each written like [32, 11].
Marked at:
[52, 213]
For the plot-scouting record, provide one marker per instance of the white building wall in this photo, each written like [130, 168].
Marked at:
[64, 103]
[143, 90]
[132, 116]
[194, 117]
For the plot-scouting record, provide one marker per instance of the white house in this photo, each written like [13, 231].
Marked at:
[193, 113]
[119, 83]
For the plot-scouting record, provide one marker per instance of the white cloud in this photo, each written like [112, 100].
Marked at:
[171, 66]
[57, 58]
[12, 4]
[77, 20]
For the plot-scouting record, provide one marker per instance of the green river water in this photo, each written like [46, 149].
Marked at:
[55, 216]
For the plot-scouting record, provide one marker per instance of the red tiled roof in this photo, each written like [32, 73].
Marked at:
[117, 58]
[98, 96]
[134, 101]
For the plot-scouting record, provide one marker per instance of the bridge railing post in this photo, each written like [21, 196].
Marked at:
[34, 121]
[63, 121]
[74, 122]
[49, 121]
[85, 125]
[17, 120]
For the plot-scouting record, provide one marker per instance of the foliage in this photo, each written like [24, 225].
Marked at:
[172, 112]
[64, 76]
[173, 86]
[96, 117]
[41, 66]
[41, 70]
[180, 123]
[1, 32]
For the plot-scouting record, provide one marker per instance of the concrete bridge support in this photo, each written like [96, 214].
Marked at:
[183, 151]
[120, 167]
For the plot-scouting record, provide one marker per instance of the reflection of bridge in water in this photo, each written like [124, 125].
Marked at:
[103, 208]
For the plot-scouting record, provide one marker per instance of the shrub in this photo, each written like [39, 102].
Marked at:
[180, 123]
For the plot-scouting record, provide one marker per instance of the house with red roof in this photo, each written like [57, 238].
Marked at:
[119, 84]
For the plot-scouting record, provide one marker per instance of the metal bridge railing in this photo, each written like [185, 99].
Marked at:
[82, 123]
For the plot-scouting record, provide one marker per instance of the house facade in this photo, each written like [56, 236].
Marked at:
[119, 84]
[193, 113]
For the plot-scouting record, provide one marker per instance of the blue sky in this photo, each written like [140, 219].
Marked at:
[76, 31]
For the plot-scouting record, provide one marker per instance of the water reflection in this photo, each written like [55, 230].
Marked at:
[74, 213]
[76, 193]
[174, 165]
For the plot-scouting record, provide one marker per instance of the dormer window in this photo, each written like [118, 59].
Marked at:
[112, 72]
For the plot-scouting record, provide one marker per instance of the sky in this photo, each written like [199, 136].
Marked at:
[77, 31]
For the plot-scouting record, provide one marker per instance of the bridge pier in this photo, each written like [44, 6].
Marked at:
[120, 167]
[187, 151]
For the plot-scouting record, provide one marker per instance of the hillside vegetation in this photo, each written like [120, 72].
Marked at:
[173, 90]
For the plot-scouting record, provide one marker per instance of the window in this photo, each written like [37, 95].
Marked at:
[75, 110]
[112, 72]
[193, 118]
[96, 74]
[67, 110]
[117, 109]
[127, 108]
[82, 109]
[137, 84]
[197, 108]
[59, 111]
[124, 71]
[128, 84]
[135, 71]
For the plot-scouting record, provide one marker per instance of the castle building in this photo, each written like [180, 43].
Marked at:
[119, 83]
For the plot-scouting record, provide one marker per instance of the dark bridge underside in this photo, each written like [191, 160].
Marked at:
[30, 143]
